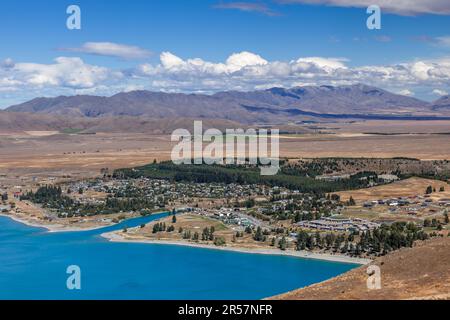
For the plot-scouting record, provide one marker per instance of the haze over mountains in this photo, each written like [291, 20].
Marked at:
[272, 106]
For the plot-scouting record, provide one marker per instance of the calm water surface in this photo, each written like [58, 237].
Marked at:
[33, 265]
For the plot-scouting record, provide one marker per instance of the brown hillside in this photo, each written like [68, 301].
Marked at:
[422, 272]
[25, 121]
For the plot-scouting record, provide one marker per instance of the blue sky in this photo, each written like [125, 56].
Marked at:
[126, 45]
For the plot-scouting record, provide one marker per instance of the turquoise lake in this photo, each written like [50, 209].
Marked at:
[33, 265]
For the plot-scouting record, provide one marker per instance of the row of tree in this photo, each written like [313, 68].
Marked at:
[52, 197]
[377, 242]
[290, 178]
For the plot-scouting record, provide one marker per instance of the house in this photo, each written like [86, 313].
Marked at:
[368, 205]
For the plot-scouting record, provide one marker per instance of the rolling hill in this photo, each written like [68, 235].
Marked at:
[276, 104]
[420, 272]
[139, 110]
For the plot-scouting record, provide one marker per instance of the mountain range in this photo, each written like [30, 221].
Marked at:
[271, 106]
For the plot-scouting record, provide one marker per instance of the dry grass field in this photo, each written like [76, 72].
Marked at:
[31, 214]
[42, 154]
[357, 145]
[406, 188]
[413, 189]
[36, 150]
[194, 223]
[388, 127]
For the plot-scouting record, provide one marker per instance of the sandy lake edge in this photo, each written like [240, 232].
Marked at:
[114, 237]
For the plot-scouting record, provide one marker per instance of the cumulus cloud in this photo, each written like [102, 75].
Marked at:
[7, 63]
[406, 92]
[440, 92]
[325, 64]
[244, 59]
[401, 7]
[249, 71]
[173, 64]
[64, 72]
[243, 71]
[248, 7]
[111, 49]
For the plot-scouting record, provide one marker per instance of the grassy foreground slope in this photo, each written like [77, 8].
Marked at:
[421, 272]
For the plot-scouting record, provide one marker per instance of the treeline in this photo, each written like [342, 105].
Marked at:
[49, 197]
[378, 242]
[300, 207]
[243, 175]
[207, 233]
[52, 197]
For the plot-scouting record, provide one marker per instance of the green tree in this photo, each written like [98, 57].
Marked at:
[302, 239]
[196, 236]
[250, 203]
[351, 201]
[259, 235]
[219, 241]
[282, 244]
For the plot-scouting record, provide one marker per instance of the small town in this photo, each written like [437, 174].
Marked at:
[257, 214]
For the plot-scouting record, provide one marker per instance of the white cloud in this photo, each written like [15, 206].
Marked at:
[440, 92]
[65, 72]
[244, 71]
[235, 62]
[244, 59]
[170, 61]
[326, 64]
[421, 70]
[249, 71]
[402, 7]
[406, 92]
[248, 7]
[7, 63]
[111, 49]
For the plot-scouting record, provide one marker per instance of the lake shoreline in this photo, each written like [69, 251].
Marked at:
[51, 228]
[56, 228]
[114, 237]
